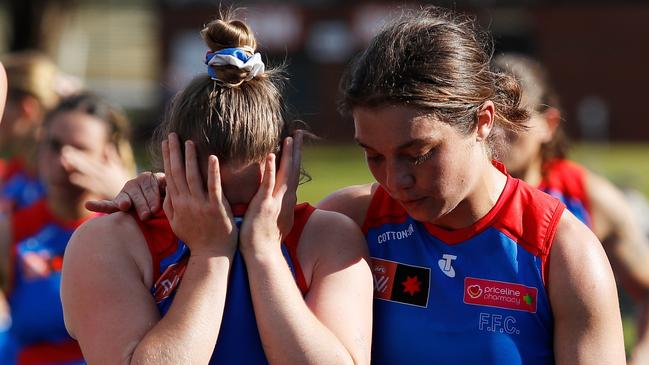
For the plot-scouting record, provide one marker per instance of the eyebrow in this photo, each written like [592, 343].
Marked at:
[411, 143]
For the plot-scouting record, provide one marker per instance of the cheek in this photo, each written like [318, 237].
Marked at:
[378, 171]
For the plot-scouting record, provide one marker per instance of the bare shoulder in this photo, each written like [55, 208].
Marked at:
[588, 327]
[352, 201]
[335, 227]
[331, 240]
[105, 288]
[576, 248]
[109, 240]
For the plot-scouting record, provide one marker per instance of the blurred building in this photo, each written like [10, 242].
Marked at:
[140, 52]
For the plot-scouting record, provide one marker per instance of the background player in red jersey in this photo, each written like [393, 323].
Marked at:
[33, 239]
[539, 157]
[230, 279]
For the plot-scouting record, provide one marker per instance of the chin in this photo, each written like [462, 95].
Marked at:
[425, 211]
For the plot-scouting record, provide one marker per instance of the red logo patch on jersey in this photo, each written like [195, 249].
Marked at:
[500, 294]
[169, 280]
[39, 265]
[402, 283]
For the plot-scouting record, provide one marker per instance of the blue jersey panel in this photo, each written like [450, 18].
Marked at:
[35, 303]
[574, 205]
[239, 341]
[481, 301]
[22, 190]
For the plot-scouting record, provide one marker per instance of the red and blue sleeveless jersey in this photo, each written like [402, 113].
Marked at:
[566, 181]
[37, 333]
[20, 189]
[475, 295]
[238, 341]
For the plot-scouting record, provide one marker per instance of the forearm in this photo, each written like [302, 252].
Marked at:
[290, 332]
[188, 332]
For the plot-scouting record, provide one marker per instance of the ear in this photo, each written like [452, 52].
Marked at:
[485, 117]
[552, 118]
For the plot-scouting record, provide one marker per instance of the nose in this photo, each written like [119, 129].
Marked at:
[399, 176]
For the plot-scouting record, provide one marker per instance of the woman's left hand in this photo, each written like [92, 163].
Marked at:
[270, 216]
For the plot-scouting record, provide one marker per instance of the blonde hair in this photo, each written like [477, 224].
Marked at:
[32, 73]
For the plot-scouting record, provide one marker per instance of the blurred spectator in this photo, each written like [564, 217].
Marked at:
[34, 238]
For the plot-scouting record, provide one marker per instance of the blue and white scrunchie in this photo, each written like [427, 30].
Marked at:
[237, 57]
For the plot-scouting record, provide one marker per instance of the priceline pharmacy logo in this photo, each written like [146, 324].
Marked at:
[500, 294]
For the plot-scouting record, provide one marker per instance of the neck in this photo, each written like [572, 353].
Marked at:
[68, 207]
[531, 173]
[480, 200]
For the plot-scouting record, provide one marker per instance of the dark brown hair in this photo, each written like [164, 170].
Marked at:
[438, 61]
[538, 96]
[237, 120]
[118, 125]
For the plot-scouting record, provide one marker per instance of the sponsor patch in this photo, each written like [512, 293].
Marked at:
[169, 280]
[402, 283]
[500, 294]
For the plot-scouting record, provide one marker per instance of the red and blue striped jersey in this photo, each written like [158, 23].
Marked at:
[475, 295]
[566, 181]
[238, 341]
[37, 333]
[19, 188]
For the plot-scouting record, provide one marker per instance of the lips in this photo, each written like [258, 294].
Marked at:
[411, 202]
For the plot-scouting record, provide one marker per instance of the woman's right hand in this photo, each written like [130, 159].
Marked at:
[202, 219]
[144, 193]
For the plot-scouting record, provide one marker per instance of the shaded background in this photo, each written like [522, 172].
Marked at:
[138, 53]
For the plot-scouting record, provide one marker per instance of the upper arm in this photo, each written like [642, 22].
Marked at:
[340, 290]
[105, 289]
[624, 242]
[352, 201]
[588, 328]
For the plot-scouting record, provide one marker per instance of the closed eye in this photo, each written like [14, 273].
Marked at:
[417, 160]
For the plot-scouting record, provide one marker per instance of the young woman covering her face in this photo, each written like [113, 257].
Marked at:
[470, 265]
[233, 273]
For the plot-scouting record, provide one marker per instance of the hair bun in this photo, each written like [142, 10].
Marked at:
[229, 33]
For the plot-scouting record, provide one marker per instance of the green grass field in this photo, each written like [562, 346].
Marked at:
[333, 167]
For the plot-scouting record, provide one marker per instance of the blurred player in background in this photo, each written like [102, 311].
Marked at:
[539, 157]
[33, 239]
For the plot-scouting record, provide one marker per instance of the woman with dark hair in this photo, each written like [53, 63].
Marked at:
[232, 272]
[470, 265]
[33, 239]
[539, 157]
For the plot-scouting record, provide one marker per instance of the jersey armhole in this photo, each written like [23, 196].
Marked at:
[549, 239]
[159, 239]
[302, 214]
